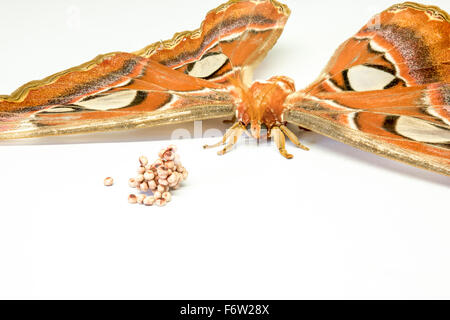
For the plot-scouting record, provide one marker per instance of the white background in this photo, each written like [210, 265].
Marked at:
[334, 222]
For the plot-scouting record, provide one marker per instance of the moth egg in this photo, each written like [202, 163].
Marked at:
[143, 160]
[140, 198]
[108, 182]
[132, 183]
[149, 201]
[132, 199]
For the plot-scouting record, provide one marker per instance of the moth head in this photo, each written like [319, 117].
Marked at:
[263, 103]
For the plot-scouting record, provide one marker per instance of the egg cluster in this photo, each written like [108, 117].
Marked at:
[165, 174]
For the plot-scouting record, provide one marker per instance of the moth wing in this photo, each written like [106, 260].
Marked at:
[411, 125]
[386, 90]
[120, 90]
[403, 46]
[231, 41]
[113, 91]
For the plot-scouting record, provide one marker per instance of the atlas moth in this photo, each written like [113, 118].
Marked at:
[385, 90]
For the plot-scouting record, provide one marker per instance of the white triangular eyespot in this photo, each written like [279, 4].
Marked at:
[208, 65]
[115, 100]
[421, 130]
[59, 110]
[365, 78]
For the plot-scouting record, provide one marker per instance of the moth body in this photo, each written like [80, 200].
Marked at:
[263, 104]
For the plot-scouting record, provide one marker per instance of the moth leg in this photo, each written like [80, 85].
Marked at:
[280, 142]
[227, 134]
[233, 140]
[293, 137]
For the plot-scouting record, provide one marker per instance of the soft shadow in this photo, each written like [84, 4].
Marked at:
[166, 132]
[312, 140]
[197, 131]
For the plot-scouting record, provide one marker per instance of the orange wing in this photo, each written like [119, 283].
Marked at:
[232, 40]
[115, 91]
[387, 90]
[182, 79]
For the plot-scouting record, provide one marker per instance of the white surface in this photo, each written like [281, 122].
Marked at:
[334, 222]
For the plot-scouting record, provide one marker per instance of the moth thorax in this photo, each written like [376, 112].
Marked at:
[264, 103]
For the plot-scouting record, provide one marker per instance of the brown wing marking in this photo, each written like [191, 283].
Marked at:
[234, 37]
[409, 40]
